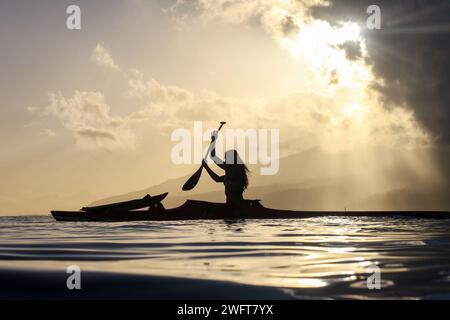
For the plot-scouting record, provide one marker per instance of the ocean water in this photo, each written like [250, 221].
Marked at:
[316, 258]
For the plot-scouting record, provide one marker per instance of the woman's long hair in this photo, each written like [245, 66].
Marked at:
[239, 171]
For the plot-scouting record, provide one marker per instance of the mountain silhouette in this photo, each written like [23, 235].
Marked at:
[368, 179]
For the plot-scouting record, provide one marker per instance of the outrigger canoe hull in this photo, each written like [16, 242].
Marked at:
[202, 210]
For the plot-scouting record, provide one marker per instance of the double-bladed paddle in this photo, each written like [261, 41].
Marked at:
[193, 180]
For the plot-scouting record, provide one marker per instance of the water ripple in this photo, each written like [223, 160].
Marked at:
[326, 257]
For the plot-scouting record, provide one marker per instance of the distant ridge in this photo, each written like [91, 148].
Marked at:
[319, 180]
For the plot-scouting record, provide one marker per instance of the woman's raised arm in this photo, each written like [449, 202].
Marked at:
[212, 174]
[219, 162]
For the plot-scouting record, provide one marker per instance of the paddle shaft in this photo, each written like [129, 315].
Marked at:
[212, 142]
[193, 180]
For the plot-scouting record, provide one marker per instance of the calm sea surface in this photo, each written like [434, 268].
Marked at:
[309, 258]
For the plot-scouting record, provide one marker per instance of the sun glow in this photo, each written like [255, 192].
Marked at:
[313, 39]
[354, 111]
[320, 45]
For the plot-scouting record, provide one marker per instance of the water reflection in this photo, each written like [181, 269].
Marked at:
[330, 254]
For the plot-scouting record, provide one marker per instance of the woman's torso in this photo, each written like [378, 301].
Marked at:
[233, 185]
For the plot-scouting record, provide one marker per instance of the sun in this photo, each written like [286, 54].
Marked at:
[321, 46]
[315, 40]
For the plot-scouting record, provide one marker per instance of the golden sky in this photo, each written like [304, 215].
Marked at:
[88, 113]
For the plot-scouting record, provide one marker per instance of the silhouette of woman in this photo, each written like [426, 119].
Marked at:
[236, 173]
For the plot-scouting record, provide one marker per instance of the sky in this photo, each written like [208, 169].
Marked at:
[88, 113]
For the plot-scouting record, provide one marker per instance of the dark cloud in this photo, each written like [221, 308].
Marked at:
[334, 77]
[96, 134]
[352, 50]
[411, 53]
[289, 27]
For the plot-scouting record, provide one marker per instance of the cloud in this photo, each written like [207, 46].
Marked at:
[32, 109]
[96, 134]
[306, 118]
[101, 57]
[404, 65]
[309, 119]
[156, 92]
[48, 133]
[234, 11]
[206, 109]
[352, 50]
[87, 116]
[409, 55]
[169, 107]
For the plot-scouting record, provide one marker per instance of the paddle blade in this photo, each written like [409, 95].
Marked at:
[192, 181]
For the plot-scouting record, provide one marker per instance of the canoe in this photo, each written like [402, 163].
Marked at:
[251, 209]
